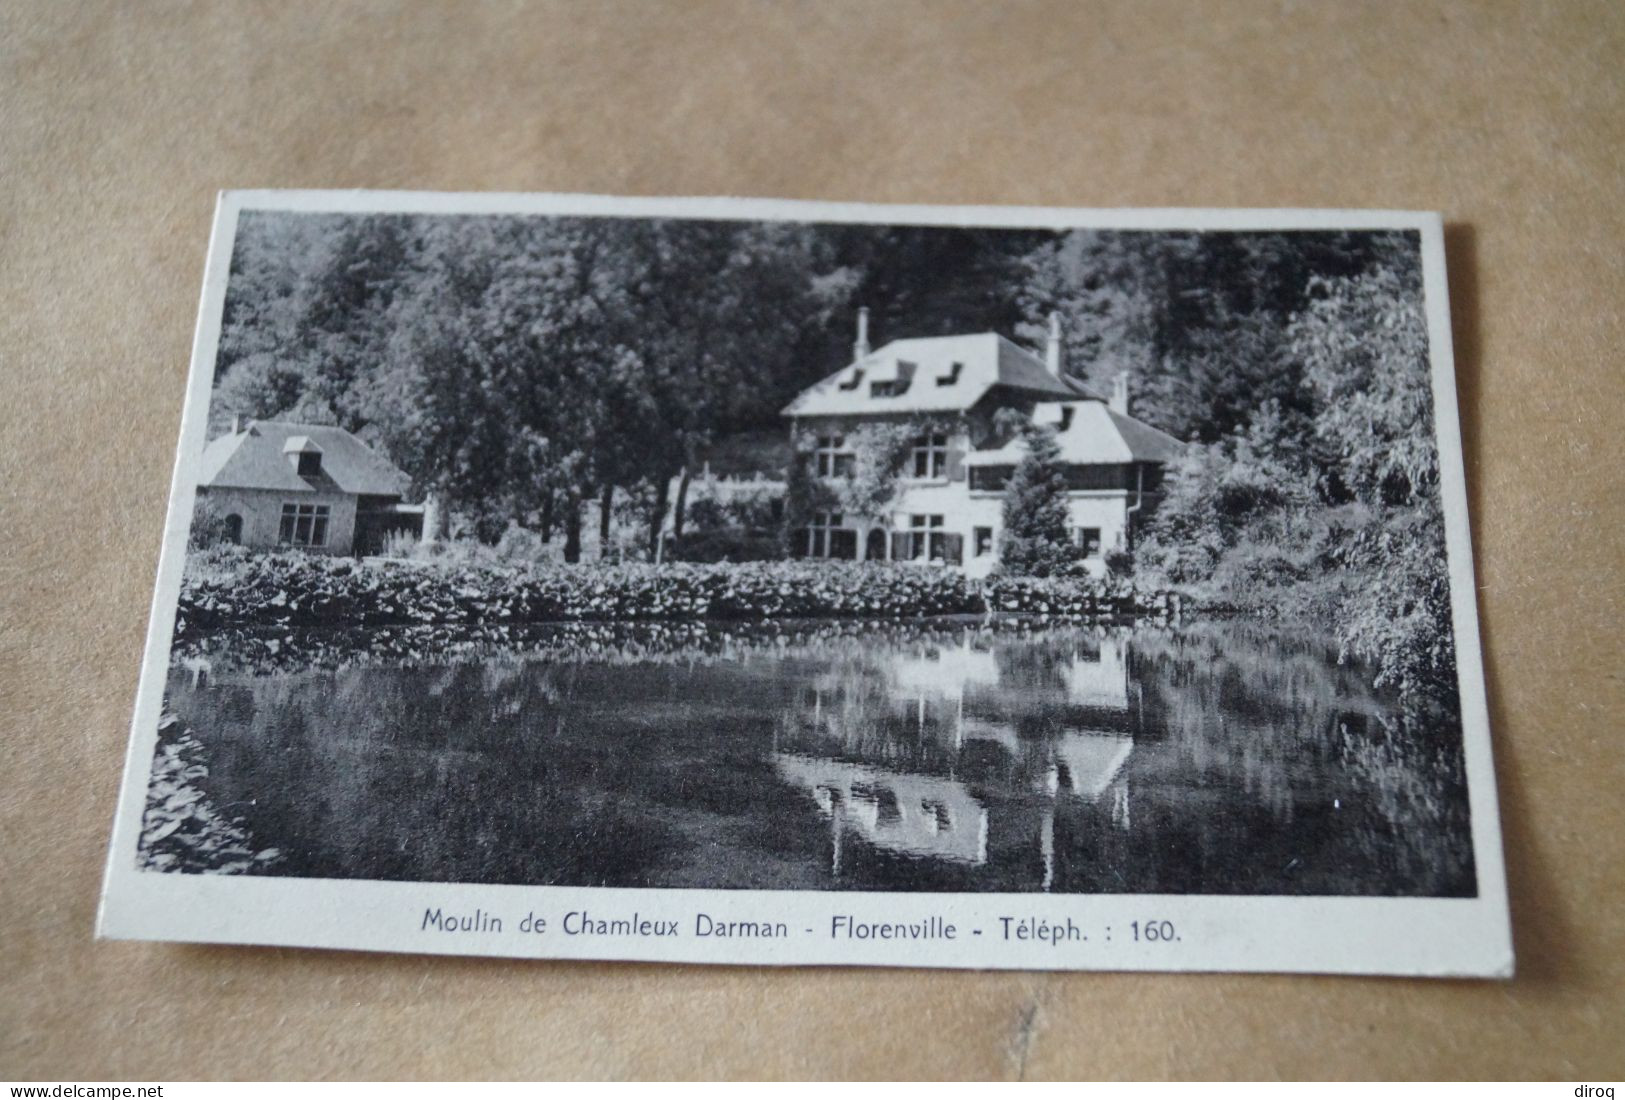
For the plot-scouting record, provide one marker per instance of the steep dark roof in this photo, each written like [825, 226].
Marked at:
[932, 374]
[1092, 435]
[253, 459]
[1145, 443]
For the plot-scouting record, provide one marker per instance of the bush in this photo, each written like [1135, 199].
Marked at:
[735, 544]
[399, 544]
[707, 513]
[521, 544]
[299, 590]
[209, 526]
[1399, 619]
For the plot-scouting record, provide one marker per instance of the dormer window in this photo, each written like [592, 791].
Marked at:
[1066, 418]
[952, 376]
[304, 455]
[896, 386]
[854, 381]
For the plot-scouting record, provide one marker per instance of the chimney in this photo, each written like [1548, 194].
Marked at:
[1120, 393]
[1052, 349]
[860, 350]
[236, 423]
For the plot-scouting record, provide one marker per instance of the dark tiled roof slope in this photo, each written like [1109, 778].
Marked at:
[253, 459]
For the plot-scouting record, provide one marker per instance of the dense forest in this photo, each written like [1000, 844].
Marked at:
[521, 367]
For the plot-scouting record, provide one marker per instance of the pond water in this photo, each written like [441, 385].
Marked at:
[1220, 758]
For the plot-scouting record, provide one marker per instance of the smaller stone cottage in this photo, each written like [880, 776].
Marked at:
[312, 486]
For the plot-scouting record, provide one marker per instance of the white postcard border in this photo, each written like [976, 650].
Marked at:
[1365, 935]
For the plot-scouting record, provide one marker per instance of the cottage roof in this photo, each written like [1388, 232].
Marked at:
[257, 458]
[1090, 434]
[932, 374]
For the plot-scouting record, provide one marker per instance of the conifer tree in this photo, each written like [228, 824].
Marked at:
[1036, 541]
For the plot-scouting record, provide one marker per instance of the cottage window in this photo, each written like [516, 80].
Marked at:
[931, 456]
[1087, 540]
[831, 458]
[304, 524]
[983, 544]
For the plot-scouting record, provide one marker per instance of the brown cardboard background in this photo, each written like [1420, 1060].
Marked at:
[118, 123]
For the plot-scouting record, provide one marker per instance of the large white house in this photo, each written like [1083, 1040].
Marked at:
[948, 505]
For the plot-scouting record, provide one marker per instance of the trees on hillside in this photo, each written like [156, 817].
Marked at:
[1324, 501]
[1198, 317]
[520, 367]
[1363, 344]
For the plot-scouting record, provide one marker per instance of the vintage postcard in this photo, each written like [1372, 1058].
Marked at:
[741, 581]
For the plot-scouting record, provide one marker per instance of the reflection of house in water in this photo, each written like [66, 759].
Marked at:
[895, 747]
[1086, 763]
[946, 672]
[1099, 679]
[1082, 763]
[916, 815]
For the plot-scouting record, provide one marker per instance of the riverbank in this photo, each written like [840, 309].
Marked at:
[183, 828]
[304, 590]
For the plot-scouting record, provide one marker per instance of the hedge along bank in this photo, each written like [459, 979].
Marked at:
[300, 590]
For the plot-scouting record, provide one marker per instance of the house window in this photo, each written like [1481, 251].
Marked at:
[826, 538]
[1087, 540]
[310, 463]
[830, 457]
[990, 479]
[304, 524]
[1099, 476]
[931, 456]
[926, 538]
[983, 544]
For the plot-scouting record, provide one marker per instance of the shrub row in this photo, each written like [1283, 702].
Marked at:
[299, 590]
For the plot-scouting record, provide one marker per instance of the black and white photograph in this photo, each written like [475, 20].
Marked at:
[734, 570]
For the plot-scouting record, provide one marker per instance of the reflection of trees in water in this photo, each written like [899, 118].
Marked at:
[1419, 787]
[279, 652]
[1274, 714]
[386, 776]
